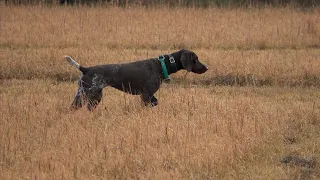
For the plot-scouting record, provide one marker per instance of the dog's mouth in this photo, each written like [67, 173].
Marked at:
[201, 70]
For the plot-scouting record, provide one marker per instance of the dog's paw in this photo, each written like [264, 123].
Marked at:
[155, 103]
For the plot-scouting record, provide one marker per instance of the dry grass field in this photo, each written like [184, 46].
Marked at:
[255, 114]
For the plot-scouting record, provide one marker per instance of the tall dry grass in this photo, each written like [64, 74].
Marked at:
[273, 44]
[201, 128]
[194, 133]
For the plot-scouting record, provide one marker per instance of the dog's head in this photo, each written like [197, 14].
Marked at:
[191, 63]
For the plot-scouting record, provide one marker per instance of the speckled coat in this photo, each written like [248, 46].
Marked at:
[138, 78]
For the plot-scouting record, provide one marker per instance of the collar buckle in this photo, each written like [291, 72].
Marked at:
[173, 63]
[171, 59]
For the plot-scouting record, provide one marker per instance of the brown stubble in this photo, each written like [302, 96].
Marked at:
[198, 131]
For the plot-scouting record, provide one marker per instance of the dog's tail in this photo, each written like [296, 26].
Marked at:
[75, 64]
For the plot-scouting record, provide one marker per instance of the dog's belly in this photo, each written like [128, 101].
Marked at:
[128, 88]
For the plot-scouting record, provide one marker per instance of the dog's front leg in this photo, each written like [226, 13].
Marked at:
[149, 99]
[154, 101]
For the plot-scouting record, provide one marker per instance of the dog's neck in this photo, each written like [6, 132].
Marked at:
[177, 65]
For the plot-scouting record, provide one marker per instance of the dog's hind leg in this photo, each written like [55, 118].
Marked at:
[94, 98]
[79, 100]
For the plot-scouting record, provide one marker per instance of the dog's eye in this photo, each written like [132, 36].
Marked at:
[194, 61]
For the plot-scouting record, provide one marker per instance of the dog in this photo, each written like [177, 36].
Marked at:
[142, 77]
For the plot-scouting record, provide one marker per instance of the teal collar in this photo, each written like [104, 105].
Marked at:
[164, 68]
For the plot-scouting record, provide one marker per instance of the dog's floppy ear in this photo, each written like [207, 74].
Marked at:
[186, 61]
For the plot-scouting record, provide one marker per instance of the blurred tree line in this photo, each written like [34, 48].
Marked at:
[183, 3]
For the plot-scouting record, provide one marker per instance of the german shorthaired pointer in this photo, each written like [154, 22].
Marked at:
[138, 78]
